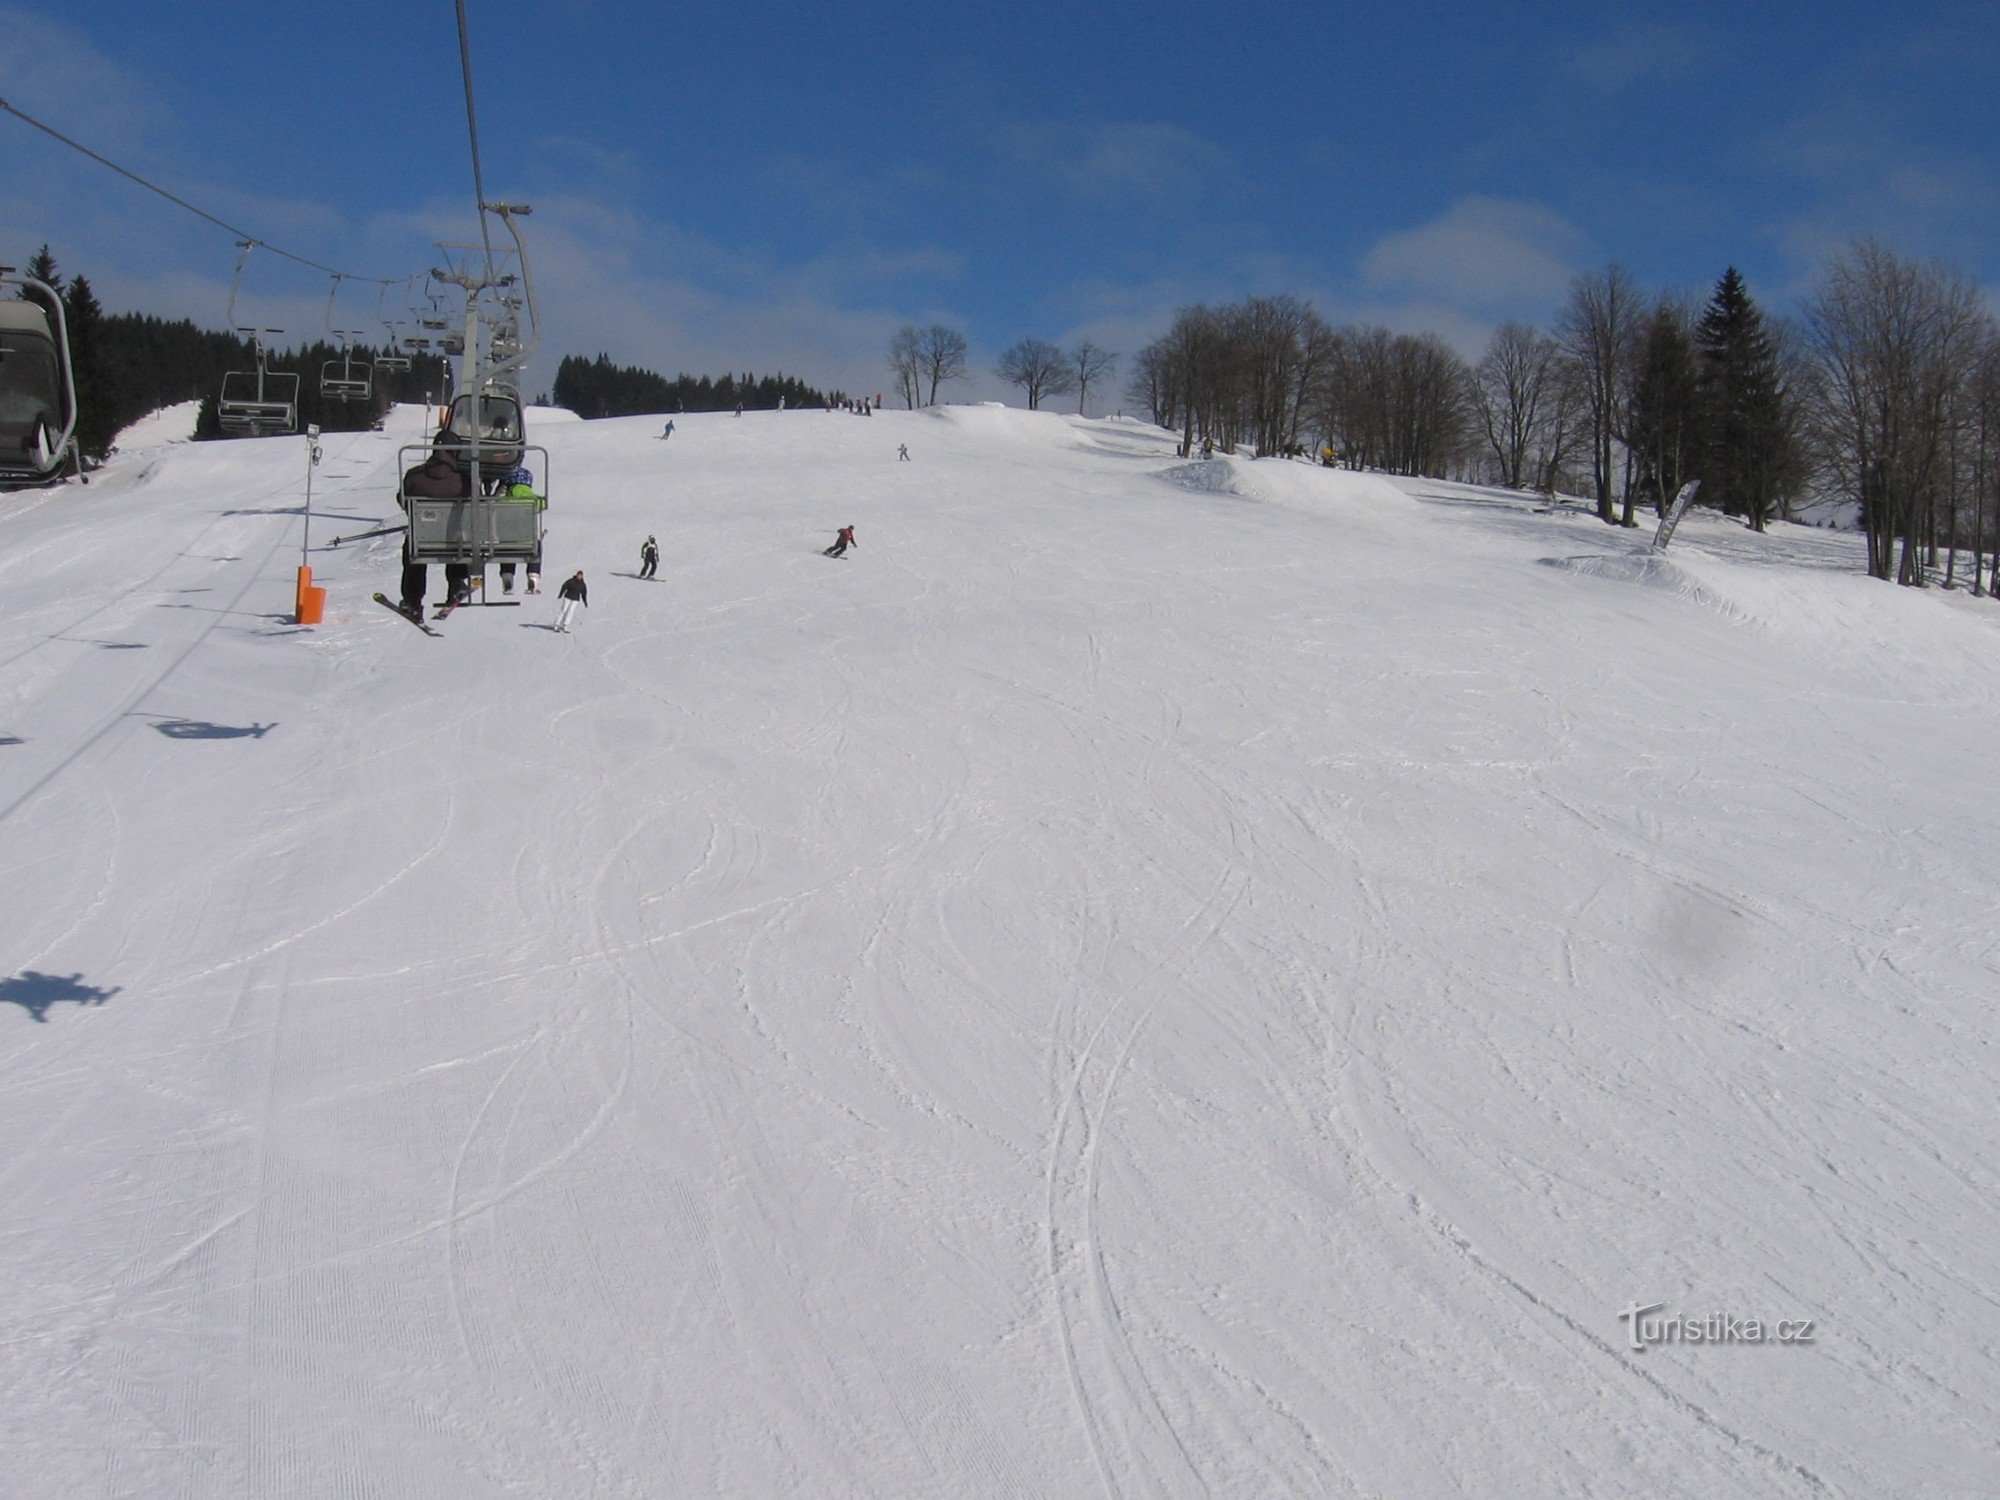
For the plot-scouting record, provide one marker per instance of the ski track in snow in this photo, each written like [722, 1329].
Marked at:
[1156, 979]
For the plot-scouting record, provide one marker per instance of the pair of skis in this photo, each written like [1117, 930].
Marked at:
[444, 610]
[403, 614]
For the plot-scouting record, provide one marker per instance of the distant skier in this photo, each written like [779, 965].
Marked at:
[649, 558]
[841, 542]
[902, 453]
[572, 593]
[669, 432]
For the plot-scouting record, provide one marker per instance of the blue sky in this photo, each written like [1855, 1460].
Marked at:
[782, 186]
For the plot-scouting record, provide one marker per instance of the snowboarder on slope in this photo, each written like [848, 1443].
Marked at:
[841, 542]
[572, 593]
[902, 453]
[649, 558]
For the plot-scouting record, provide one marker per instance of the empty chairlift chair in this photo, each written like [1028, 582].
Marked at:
[259, 402]
[346, 378]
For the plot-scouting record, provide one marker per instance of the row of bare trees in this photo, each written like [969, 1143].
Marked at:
[1906, 410]
[922, 359]
[1042, 370]
[1271, 374]
[1885, 393]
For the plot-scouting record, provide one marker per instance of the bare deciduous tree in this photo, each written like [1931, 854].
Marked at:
[1596, 330]
[906, 365]
[1895, 341]
[940, 358]
[1151, 385]
[1514, 392]
[1039, 368]
[1088, 364]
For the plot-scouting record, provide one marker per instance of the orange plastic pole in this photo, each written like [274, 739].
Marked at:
[309, 603]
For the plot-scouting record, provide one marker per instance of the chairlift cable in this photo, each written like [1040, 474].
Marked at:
[472, 129]
[200, 213]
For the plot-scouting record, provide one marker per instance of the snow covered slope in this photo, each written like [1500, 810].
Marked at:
[1148, 978]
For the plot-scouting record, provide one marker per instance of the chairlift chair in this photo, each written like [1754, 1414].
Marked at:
[346, 378]
[483, 521]
[341, 379]
[259, 402]
[394, 360]
[494, 440]
[37, 388]
[263, 401]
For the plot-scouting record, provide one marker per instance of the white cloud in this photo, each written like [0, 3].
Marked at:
[48, 70]
[1484, 255]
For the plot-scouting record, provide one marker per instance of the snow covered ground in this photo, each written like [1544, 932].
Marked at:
[1150, 978]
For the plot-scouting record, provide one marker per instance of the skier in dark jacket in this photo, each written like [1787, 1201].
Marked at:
[649, 558]
[437, 479]
[841, 542]
[572, 593]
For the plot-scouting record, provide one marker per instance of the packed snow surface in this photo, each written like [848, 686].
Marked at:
[1149, 978]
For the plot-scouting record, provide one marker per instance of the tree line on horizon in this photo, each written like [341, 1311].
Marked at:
[1884, 392]
[598, 388]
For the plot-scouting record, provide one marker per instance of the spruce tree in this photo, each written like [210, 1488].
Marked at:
[96, 400]
[1746, 434]
[42, 267]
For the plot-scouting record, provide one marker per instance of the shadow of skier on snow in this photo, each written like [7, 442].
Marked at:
[35, 992]
[201, 729]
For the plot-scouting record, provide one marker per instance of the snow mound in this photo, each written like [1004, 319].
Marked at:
[993, 419]
[1207, 476]
[1652, 571]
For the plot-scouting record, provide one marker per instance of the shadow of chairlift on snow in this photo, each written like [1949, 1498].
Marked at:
[35, 992]
[201, 729]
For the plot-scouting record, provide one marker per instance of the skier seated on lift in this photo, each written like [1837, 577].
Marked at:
[841, 542]
[518, 488]
[437, 478]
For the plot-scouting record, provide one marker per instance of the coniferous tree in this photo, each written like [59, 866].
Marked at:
[598, 388]
[97, 402]
[41, 267]
[1746, 433]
